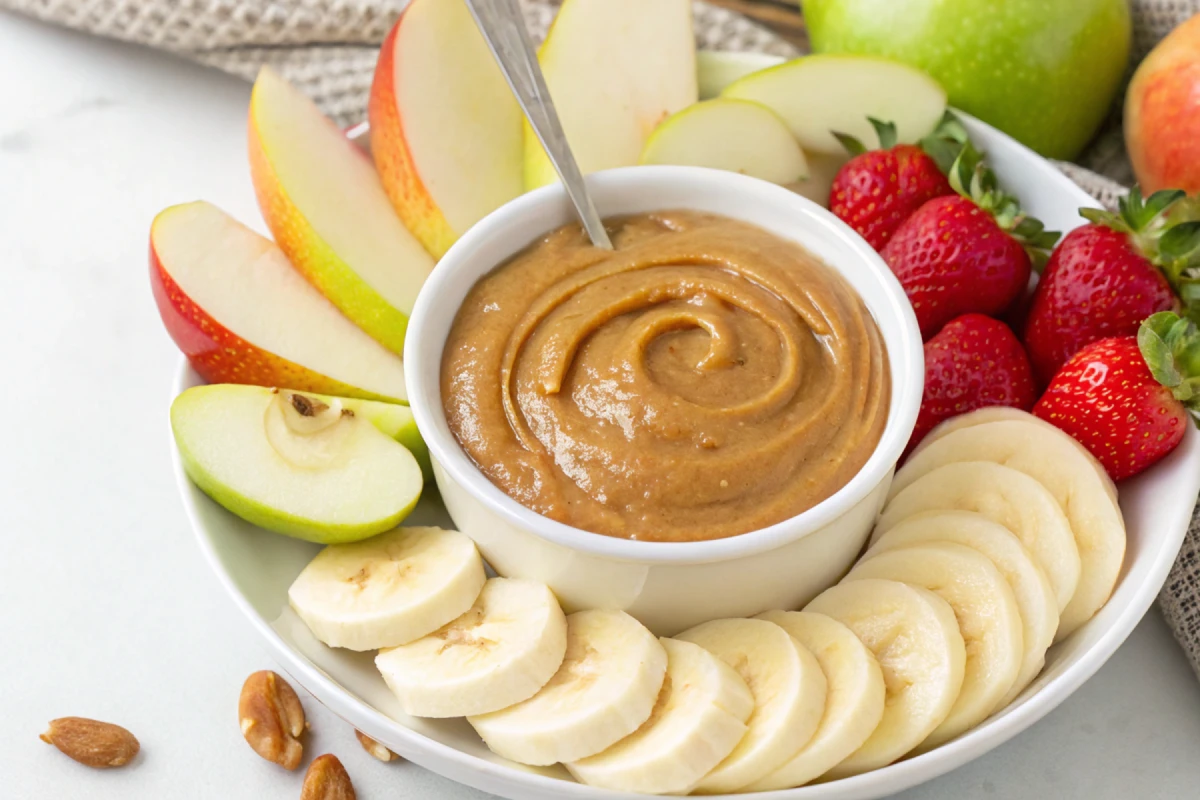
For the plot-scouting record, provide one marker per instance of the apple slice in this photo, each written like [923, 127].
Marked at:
[729, 134]
[241, 314]
[615, 69]
[716, 69]
[326, 208]
[445, 127]
[818, 94]
[395, 420]
[293, 463]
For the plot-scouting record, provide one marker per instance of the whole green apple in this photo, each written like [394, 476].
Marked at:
[1043, 71]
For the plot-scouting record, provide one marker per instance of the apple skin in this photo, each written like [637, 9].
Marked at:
[1043, 71]
[221, 356]
[314, 258]
[1162, 113]
[393, 158]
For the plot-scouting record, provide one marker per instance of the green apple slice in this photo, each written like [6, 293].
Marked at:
[304, 465]
[729, 134]
[818, 94]
[716, 69]
[615, 69]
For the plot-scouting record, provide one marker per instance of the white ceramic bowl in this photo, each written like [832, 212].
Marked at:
[669, 586]
[257, 567]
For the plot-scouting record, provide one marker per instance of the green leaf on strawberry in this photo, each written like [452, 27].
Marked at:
[1171, 346]
[945, 142]
[971, 177]
[886, 131]
[1165, 229]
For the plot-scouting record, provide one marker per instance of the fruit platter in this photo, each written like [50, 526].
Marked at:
[845, 466]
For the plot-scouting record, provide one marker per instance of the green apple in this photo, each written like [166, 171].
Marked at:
[309, 466]
[1043, 71]
[733, 135]
[816, 95]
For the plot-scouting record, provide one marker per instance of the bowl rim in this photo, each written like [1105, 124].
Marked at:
[905, 361]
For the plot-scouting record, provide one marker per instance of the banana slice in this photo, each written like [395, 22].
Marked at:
[604, 691]
[854, 702]
[987, 615]
[789, 697]
[502, 651]
[1032, 590]
[1055, 460]
[1008, 414]
[388, 590]
[1004, 495]
[699, 718]
[915, 637]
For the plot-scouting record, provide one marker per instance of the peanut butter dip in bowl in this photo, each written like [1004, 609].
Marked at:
[701, 423]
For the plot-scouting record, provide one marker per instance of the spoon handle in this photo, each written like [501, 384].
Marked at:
[503, 26]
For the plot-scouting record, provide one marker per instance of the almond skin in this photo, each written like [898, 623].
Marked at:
[327, 779]
[375, 748]
[96, 744]
[272, 719]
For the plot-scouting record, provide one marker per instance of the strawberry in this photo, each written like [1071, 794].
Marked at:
[1126, 398]
[969, 252]
[1109, 275]
[973, 362]
[877, 190]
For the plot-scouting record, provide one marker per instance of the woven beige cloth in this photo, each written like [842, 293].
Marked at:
[329, 47]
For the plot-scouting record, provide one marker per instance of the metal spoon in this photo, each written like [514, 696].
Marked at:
[503, 26]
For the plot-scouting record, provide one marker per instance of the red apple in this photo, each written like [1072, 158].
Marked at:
[1162, 113]
[241, 314]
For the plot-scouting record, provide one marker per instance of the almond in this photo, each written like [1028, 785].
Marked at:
[272, 719]
[92, 743]
[374, 748]
[327, 779]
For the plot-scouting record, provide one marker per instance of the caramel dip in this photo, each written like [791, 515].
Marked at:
[706, 379]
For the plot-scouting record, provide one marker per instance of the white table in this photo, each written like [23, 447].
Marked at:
[107, 609]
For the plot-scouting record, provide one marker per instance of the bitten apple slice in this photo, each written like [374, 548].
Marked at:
[818, 94]
[241, 314]
[615, 70]
[446, 131]
[294, 464]
[326, 208]
[729, 134]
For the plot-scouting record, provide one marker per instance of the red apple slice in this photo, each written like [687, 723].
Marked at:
[241, 314]
[326, 208]
[445, 127]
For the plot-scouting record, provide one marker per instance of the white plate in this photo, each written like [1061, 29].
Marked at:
[257, 567]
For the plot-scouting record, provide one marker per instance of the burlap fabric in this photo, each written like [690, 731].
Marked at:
[329, 47]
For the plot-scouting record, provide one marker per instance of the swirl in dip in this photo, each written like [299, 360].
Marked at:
[706, 379]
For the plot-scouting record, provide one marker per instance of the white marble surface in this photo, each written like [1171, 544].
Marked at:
[107, 609]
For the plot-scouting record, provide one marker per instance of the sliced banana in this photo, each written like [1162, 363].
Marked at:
[1004, 495]
[502, 651]
[1055, 460]
[1008, 414]
[604, 691]
[988, 619]
[913, 634]
[789, 697]
[854, 702]
[388, 590]
[1032, 590]
[699, 718]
